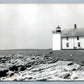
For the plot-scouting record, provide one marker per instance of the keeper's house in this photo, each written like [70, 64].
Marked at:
[68, 38]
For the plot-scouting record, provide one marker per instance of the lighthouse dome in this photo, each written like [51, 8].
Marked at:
[58, 29]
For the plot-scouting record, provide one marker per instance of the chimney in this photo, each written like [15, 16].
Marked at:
[75, 26]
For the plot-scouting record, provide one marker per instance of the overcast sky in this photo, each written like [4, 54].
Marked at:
[26, 26]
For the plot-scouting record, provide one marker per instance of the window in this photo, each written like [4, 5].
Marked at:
[77, 38]
[78, 44]
[67, 38]
[67, 44]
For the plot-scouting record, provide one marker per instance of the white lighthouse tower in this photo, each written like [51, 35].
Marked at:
[57, 39]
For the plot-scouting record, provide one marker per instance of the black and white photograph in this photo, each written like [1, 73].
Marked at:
[41, 42]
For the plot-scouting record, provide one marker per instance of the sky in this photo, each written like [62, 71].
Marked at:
[29, 26]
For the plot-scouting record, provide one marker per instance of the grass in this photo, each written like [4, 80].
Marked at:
[70, 55]
[25, 51]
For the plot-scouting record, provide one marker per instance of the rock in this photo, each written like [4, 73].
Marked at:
[42, 68]
[10, 73]
[14, 68]
[3, 73]
[17, 68]
[66, 76]
[29, 78]
[50, 52]
[3, 70]
[42, 79]
[72, 67]
[28, 65]
[53, 61]
[70, 63]
[63, 75]
[22, 68]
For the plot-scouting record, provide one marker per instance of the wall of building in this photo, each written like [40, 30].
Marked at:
[56, 41]
[69, 41]
[73, 43]
[81, 40]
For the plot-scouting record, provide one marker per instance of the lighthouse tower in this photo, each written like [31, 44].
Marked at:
[57, 39]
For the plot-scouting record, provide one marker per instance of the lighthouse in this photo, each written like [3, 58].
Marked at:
[57, 38]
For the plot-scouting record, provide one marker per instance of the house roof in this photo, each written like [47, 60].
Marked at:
[72, 32]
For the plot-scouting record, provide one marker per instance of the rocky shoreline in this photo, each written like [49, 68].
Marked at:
[20, 67]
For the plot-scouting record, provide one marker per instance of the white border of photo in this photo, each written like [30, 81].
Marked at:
[45, 2]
